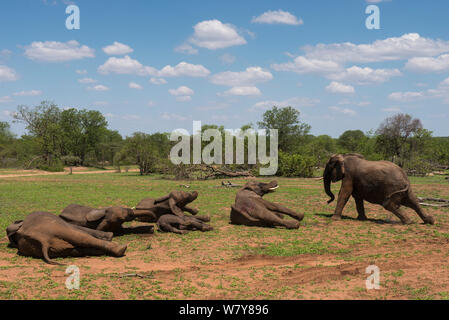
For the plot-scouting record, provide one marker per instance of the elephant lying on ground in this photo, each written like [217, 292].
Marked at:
[44, 235]
[107, 219]
[150, 210]
[252, 210]
[182, 225]
[379, 182]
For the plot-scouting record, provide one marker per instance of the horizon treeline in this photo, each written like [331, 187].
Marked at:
[57, 137]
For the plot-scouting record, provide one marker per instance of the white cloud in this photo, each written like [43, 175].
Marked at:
[181, 91]
[158, 81]
[227, 59]
[125, 65]
[28, 93]
[213, 34]
[428, 64]
[186, 48]
[363, 76]
[117, 48]
[405, 96]
[5, 99]
[7, 74]
[338, 87]
[395, 48]
[242, 91]
[151, 103]
[346, 111]
[307, 65]
[5, 54]
[440, 92]
[183, 98]
[99, 87]
[295, 102]
[134, 85]
[249, 77]
[81, 71]
[173, 116]
[278, 17]
[87, 80]
[184, 69]
[53, 51]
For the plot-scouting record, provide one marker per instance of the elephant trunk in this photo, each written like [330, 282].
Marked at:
[327, 183]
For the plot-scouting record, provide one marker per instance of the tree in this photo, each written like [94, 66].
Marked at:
[395, 136]
[147, 150]
[290, 130]
[43, 123]
[352, 140]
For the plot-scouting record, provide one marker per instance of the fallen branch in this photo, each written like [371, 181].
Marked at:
[137, 275]
[229, 184]
[434, 205]
[432, 199]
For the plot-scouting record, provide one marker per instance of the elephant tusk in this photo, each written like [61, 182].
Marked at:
[274, 188]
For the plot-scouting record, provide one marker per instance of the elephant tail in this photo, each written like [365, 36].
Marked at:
[47, 259]
[387, 199]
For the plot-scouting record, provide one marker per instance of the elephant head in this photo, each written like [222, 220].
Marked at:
[335, 171]
[261, 188]
[11, 232]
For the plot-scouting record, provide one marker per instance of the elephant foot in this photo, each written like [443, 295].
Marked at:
[119, 250]
[407, 221]
[207, 228]
[362, 218]
[336, 217]
[292, 225]
[429, 220]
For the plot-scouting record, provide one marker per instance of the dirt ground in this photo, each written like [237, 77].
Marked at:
[324, 259]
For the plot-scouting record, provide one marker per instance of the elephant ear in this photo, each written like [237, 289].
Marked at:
[340, 164]
[95, 215]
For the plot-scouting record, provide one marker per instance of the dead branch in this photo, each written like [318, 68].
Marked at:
[432, 199]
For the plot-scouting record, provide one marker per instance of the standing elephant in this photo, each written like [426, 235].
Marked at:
[379, 182]
[44, 235]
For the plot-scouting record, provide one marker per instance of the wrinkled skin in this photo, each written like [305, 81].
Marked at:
[107, 219]
[378, 182]
[252, 210]
[150, 210]
[44, 235]
[173, 223]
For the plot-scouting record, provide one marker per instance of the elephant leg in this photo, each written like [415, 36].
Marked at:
[96, 233]
[343, 197]
[192, 211]
[199, 225]
[281, 209]
[411, 201]
[168, 227]
[79, 238]
[394, 207]
[271, 218]
[360, 208]
[203, 218]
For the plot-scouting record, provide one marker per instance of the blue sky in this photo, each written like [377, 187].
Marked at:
[158, 65]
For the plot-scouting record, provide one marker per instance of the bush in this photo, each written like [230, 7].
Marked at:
[53, 166]
[295, 165]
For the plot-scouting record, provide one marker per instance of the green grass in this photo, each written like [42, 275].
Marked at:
[318, 236]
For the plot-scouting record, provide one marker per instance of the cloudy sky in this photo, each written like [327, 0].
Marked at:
[156, 66]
